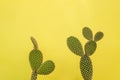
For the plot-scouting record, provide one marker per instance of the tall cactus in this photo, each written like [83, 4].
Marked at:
[75, 46]
[36, 59]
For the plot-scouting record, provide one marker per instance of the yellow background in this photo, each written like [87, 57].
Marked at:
[51, 22]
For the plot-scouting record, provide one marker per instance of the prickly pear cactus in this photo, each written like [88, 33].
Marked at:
[75, 46]
[36, 62]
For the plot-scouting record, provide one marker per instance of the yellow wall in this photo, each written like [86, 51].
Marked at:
[51, 22]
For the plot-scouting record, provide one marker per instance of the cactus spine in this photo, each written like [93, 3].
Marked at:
[36, 62]
[75, 46]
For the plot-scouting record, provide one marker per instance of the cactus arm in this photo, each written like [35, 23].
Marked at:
[87, 33]
[90, 47]
[35, 44]
[98, 36]
[75, 45]
[46, 68]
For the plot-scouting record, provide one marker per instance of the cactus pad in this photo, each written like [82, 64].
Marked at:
[98, 36]
[86, 67]
[75, 46]
[46, 68]
[90, 47]
[35, 59]
[87, 33]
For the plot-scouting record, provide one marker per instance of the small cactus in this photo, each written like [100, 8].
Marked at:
[36, 59]
[75, 46]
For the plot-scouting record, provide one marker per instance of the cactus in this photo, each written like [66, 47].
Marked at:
[75, 46]
[36, 62]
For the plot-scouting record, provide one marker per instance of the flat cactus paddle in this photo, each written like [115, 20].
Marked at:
[87, 33]
[98, 36]
[75, 46]
[46, 68]
[35, 59]
[86, 67]
[90, 47]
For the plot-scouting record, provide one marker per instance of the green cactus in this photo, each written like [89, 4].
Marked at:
[75, 46]
[36, 59]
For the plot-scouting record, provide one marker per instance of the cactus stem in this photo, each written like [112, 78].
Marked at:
[34, 75]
